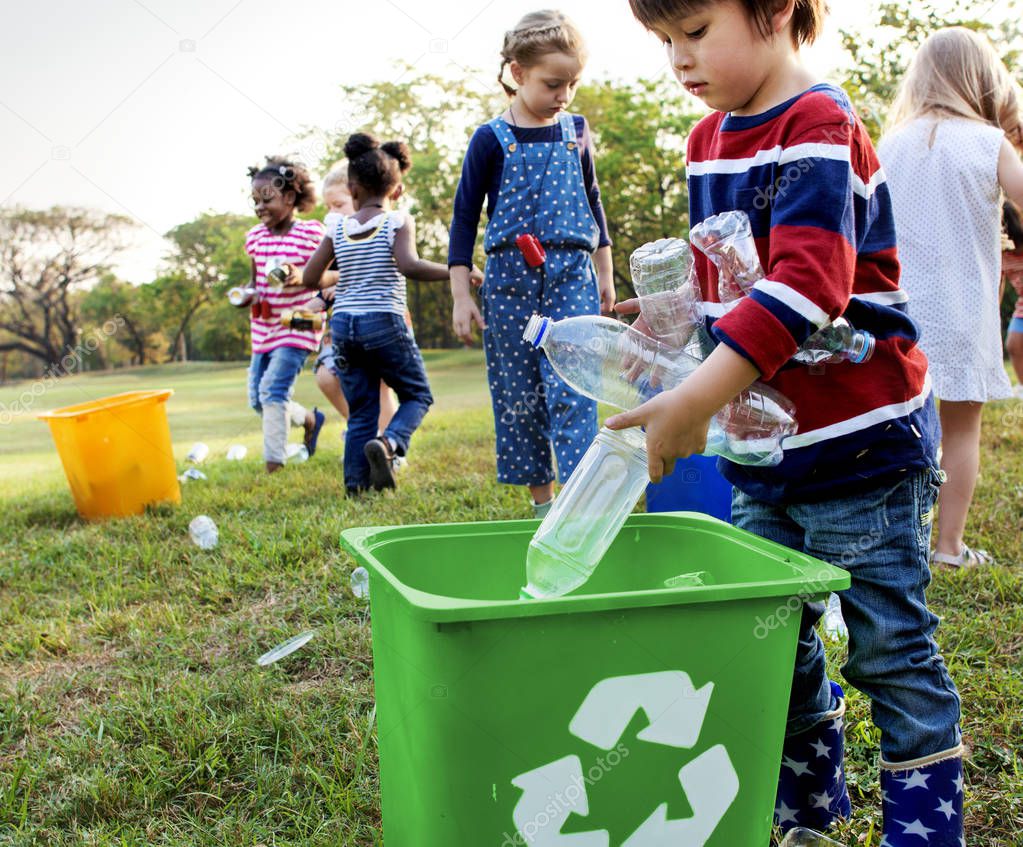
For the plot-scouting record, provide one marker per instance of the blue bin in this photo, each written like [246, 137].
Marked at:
[693, 486]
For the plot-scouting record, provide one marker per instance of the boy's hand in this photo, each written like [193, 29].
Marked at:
[475, 277]
[675, 429]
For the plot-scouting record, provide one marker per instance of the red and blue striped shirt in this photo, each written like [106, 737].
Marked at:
[807, 175]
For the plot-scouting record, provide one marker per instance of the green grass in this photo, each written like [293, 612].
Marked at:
[132, 711]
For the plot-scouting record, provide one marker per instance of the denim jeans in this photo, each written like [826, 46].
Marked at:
[882, 537]
[272, 378]
[370, 348]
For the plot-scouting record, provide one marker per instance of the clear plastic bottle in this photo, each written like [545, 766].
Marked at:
[360, 582]
[587, 514]
[613, 363]
[204, 532]
[837, 342]
[237, 452]
[802, 837]
[727, 240]
[198, 453]
[668, 300]
[296, 453]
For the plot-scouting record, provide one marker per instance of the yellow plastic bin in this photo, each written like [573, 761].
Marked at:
[116, 453]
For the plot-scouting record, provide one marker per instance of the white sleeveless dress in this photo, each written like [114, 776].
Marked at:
[947, 204]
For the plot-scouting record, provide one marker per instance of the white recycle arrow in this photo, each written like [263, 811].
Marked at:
[675, 709]
[711, 784]
[548, 800]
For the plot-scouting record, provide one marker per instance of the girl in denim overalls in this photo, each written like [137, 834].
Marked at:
[534, 165]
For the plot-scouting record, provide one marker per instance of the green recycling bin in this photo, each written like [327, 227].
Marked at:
[647, 708]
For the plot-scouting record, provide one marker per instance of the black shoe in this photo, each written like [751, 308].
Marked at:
[381, 469]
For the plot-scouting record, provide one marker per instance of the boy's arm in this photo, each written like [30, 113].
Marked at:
[313, 274]
[406, 256]
[676, 421]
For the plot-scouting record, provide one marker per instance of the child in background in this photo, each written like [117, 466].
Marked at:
[279, 187]
[1012, 273]
[948, 155]
[375, 249]
[858, 480]
[338, 200]
[534, 166]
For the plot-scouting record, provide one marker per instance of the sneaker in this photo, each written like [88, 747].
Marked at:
[313, 435]
[381, 469]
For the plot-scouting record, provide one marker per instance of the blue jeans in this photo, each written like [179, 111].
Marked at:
[368, 349]
[272, 375]
[882, 537]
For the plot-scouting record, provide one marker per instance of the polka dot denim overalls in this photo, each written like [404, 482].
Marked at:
[541, 192]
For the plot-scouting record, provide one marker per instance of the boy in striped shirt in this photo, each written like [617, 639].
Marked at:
[858, 482]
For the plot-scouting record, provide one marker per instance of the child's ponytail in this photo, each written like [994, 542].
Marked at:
[376, 167]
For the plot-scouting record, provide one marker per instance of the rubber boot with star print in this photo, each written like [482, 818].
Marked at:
[811, 785]
[922, 801]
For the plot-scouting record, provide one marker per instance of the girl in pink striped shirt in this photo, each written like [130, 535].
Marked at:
[279, 187]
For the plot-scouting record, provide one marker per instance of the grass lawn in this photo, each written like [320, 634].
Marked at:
[132, 711]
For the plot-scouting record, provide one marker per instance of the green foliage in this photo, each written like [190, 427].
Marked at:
[135, 305]
[881, 52]
[207, 258]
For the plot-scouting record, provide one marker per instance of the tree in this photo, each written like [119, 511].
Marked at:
[46, 258]
[639, 130]
[137, 307]
[207, 257]
[881, 53]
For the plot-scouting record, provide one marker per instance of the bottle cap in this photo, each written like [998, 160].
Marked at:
[536, 330]
[865, 349]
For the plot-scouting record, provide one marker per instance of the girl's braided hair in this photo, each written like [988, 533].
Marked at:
[537, 34]
[288, 175]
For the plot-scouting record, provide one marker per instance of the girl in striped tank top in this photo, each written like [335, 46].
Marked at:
[375, 250]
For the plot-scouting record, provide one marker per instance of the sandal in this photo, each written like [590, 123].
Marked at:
[968, 558]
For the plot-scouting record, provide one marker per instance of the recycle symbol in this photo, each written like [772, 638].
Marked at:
[676, 711]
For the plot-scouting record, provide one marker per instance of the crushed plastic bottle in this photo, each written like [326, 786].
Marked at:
[613, 363]
[802, 837]
[669, 302]
[587, 514]
[837, 342]
[834, 623]
[198, 453]
[693, 579]
[727, 240]
[192, 473]
[236, 452]
[286, 648]
[204, 532]
[296, 453]
[360, 582]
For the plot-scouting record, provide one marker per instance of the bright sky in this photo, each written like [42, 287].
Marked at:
[154, 108]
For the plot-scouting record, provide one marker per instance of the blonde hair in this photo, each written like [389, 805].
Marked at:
[957, 73]
[536, 35]
[337, 175]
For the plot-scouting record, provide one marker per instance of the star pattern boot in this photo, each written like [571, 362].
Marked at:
[922, 801]
[811, 784]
